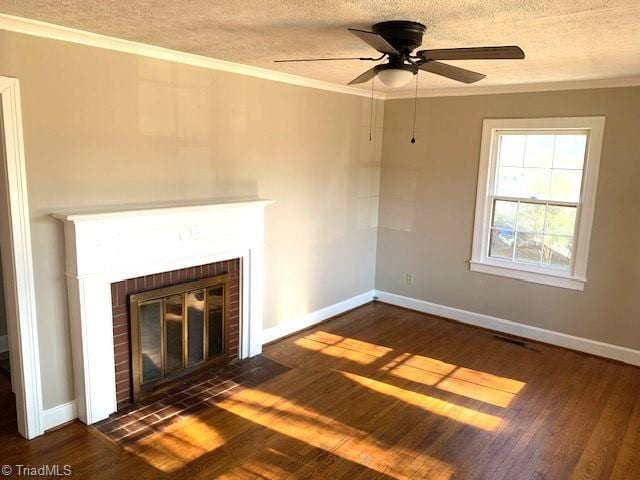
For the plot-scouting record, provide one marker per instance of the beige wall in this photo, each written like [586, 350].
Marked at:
[106, 128]
[427, 209]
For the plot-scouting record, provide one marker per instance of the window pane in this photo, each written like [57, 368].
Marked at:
[150, 327]
[173, 331]
[566, 185]
[535, 183]
[529, 247]
[195, 327]
[560, 220]
[509, 181]
[511, 150]
[501, 245]
[215, 319]
[569, 151]
[504, 214]
[557, 251]
[539, 151]
[531, 217]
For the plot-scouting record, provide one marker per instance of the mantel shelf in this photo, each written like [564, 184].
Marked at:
[157, 209]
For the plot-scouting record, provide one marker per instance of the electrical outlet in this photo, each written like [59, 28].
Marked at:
[409, 279]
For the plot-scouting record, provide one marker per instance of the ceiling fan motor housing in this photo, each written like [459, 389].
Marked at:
[404, 35]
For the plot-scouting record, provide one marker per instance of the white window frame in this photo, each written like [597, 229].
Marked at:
[480, 261]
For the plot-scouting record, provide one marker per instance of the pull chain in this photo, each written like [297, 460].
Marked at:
[415, 108]
[371, 110]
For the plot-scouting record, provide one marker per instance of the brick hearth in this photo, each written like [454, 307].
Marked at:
[188, 398]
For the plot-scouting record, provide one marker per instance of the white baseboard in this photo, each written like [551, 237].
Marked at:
[310, 319]
[607, 350]
[4, 343]
[56, 416]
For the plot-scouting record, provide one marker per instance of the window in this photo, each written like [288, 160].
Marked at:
[536, 195]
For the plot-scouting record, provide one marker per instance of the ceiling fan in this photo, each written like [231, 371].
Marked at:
[397, 39]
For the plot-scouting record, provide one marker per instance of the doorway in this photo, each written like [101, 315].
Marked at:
[5, 369]
[7, 399]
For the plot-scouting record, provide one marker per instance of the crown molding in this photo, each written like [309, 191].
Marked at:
[72, 35]
[519, 88]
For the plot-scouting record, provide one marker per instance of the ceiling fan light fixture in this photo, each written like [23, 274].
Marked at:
[396, 41]
[395, 77]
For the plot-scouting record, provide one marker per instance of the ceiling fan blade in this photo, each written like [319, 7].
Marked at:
[449, 71]
[365, 77]
[375, 40]
[319, 59]
[473, 53]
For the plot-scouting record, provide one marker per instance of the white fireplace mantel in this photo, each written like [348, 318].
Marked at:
[111, 246]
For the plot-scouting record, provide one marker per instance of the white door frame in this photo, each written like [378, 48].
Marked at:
[17, 262]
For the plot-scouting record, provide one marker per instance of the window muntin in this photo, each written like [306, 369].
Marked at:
[535, 195]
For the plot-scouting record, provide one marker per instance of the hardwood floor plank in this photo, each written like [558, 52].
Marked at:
[627, 464]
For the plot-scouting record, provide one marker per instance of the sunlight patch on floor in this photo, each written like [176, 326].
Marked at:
[466, 382]
[189, 439]
[488, 380]
[335, 351]
[349, 343]
[175, 447]
[266, 465]
[186, 441]
[326, 433]
[426, 364]
[488, 388]
[465, 415]
[482, 386]
[345, 348]
[417, 375]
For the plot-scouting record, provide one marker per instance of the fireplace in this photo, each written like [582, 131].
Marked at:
[173, 310]
[108, 249]
[176, 331]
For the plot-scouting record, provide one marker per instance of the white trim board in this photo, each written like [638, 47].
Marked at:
[313, 318]
[57, 32]
[72, 35]
[59, 415]
[601, 349]
[17, 263]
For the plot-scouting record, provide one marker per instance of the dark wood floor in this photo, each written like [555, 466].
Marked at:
[383, 392]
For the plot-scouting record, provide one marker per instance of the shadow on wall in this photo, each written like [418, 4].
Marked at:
[398, 192]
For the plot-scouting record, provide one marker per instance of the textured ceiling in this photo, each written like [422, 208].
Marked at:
[564, 40]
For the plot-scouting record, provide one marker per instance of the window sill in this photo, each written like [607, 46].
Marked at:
[551, 279]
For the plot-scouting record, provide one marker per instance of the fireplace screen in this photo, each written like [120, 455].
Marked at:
[177, 330]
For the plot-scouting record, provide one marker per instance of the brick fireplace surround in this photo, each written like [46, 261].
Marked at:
[120, 292]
